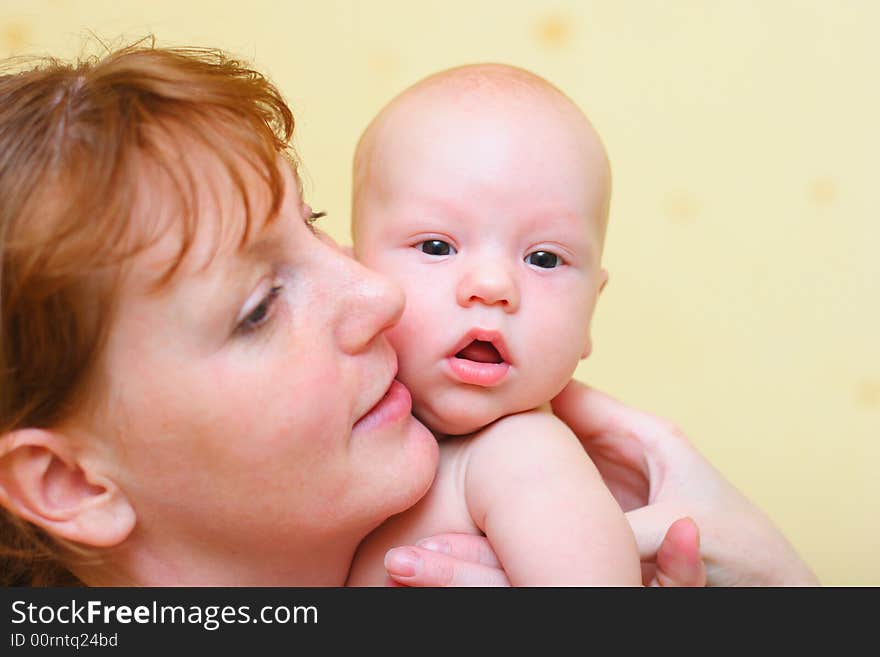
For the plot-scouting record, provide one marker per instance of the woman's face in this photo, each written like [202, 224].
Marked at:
[249, 403]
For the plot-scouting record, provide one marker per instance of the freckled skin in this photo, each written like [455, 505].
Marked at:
[236, 391]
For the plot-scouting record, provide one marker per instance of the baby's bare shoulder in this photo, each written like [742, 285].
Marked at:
[535, 429]
[520, 454]
[528, 444]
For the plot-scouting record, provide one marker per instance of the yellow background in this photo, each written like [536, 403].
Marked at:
[744, 140]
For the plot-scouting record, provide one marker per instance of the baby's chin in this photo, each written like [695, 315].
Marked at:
[456, 421]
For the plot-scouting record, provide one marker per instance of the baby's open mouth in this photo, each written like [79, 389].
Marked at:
[480, 359]
[481, 352]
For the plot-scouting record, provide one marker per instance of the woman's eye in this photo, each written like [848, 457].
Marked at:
[543, 259]
[260, 315]
[436, 247]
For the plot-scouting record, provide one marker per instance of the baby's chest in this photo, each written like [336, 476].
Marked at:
[442, 510]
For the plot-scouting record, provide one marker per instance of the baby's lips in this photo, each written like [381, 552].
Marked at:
[476, 373]
[478, 334]
[481, 352]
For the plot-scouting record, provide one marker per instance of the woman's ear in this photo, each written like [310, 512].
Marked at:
[41, 481]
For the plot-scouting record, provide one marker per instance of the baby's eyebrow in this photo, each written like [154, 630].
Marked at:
[445, 206]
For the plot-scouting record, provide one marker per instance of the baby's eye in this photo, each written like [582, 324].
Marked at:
[436, 247]
[543, 259]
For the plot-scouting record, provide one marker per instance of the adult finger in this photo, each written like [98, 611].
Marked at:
[678, 557]
[592, 414]
[586, 410]
[467, 547]
[415, 566]
[650, 524]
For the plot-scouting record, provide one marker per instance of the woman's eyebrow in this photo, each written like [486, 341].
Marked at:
[229, 275]
[260, 248]
[266, 243]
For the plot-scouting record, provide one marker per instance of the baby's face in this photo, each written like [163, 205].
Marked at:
[491, 219]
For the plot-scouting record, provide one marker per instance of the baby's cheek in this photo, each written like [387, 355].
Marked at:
[417, 351]
[397, 337]
[372, 255]
[555, 357]
[404, 338]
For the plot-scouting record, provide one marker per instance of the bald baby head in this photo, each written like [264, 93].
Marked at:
[483, 191]
[484, 98]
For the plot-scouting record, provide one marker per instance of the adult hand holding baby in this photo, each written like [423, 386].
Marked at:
[658, 477]
[662, 482]
[468, 560]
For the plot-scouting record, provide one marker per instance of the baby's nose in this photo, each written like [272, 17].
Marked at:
[491, 283]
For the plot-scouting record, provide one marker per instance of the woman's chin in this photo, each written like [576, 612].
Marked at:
[423, 455]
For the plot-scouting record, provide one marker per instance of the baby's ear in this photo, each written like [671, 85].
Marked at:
[42, 482]
[603, 279]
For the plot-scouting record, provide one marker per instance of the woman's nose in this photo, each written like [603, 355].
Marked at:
[489, 282]
[368, 304]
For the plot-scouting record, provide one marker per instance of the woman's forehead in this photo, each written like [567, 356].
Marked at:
[203, 207]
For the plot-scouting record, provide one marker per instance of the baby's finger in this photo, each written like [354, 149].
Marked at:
[415, 566]
[467, 547]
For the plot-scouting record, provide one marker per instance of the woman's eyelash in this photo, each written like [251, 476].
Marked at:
[312, 218]
[262, 313]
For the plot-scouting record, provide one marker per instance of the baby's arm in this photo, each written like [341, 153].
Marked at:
[537, 496]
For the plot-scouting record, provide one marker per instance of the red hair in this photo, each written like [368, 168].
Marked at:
[73, 142]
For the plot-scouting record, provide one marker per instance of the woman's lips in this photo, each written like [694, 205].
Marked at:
[394, 405]
[476, 373]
